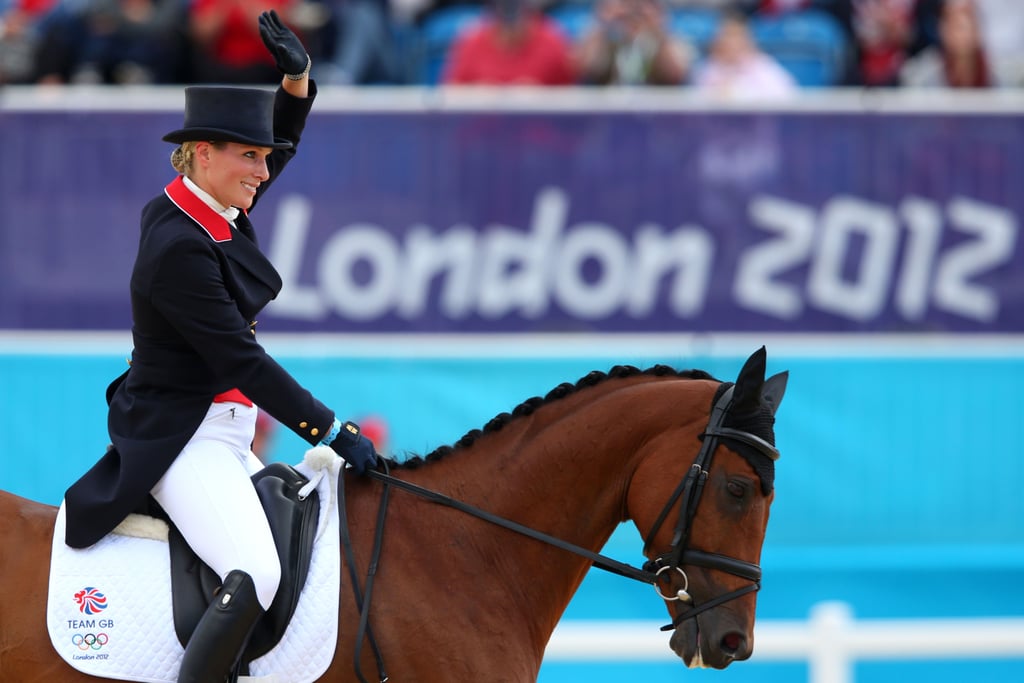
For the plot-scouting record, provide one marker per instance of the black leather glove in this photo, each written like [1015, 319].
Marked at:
[356, 449]
[284, 45]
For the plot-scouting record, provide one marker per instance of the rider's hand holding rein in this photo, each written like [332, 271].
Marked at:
[348, 441]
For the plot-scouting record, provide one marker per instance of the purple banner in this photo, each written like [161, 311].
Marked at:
[445, 221]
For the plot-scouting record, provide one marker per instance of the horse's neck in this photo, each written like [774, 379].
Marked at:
[565, 470]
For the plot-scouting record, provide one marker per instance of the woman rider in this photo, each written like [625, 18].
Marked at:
[182, 418]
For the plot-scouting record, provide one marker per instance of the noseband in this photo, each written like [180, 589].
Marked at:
[688, 494]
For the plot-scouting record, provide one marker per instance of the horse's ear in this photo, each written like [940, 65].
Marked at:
[751, 379]
[773, 389]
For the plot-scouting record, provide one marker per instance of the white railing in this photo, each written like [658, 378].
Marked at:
[830, 641]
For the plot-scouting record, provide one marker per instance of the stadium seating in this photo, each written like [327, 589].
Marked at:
[696, 26]
[810, 44]
[575, 18]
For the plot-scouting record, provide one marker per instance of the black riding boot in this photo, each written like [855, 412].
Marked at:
[222, 633]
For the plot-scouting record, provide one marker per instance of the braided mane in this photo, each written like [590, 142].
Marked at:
[528, 406]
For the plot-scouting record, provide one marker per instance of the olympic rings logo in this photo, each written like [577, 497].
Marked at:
[90, 641]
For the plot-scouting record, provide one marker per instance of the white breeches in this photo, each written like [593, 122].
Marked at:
[209, 496]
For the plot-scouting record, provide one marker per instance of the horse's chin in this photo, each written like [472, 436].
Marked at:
[690, 645]
[685, 642]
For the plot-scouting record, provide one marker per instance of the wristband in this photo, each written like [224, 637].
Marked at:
[332, 433]
[300, 76]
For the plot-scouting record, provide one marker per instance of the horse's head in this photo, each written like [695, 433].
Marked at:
[704, 519]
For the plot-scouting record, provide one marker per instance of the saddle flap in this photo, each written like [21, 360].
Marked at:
[293, 524]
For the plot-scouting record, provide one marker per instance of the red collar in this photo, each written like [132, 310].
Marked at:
[215, 225]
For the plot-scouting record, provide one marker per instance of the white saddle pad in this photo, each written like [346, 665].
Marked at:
[109, 606]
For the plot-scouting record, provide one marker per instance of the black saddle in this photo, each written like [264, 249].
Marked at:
[293, 523]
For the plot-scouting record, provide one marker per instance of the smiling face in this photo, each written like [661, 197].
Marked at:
[231, 172]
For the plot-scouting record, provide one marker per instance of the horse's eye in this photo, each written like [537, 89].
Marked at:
[736, 489]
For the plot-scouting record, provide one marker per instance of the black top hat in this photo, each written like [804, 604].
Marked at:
[221, 114]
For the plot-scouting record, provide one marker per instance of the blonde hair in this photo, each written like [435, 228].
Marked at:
[183, 157]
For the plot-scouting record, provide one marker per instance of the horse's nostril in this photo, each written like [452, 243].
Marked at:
[732, 642]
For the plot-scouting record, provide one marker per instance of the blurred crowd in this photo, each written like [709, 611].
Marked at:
[882, 43]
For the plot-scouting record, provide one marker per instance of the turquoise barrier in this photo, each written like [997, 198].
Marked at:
[877, 450]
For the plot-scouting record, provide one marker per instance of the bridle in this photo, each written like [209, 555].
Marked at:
[688, 493]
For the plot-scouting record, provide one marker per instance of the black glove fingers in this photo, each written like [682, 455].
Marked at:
[286, 47]
[266, 24]
[270, 18]
[266, 32]
[278, 24]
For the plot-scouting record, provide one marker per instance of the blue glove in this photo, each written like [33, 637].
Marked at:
[354, 448]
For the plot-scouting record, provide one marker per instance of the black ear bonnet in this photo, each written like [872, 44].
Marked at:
[759, 421]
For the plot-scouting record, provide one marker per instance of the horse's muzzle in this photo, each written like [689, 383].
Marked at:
[707, 646]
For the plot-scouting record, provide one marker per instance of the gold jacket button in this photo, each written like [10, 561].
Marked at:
[314, 431]
[303, 424]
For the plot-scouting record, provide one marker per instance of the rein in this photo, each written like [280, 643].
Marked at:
[601, 561]
[688, 494]
[364, 632]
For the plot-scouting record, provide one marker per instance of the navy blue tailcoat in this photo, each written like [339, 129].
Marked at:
[196, 289]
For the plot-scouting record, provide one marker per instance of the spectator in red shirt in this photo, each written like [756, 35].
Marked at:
[227, 43]
[514, 44]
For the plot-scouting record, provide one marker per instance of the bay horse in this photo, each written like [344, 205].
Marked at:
[687, 458]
